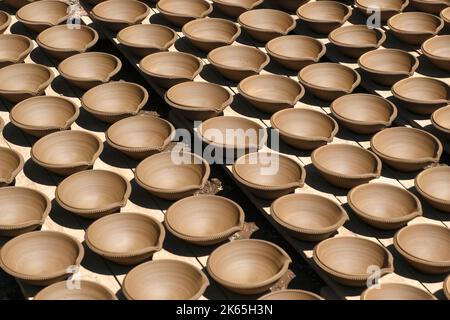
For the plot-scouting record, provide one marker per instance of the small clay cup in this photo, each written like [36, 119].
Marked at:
[11, 163]
[88, 290]
[234, 8]
[5, 21]
[387, 8]
[437, 50]
[179, 13]
[430, 6]
[433, 185]
[40, 15]
[415, 27]
[118, 14]
[14, 48]
[396, 291]
[291, 294]
[441, 121]
[324, 16]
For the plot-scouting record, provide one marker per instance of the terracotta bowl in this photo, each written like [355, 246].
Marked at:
[167, 69]
[234, 8]
[40, 15]
[5, 20]
[22, 210]
[304, 129]
[264, 25]
[248, 266]
[140, 136]
[324, 16]
[270, 93]
[396, 291]
[145, 39]
[62, 42]
[88, 291]
[171, 175]
[441, 121]
[238, 62]
[14, 48]
[347, 260]
[118, 14]
[114, 101]
[425, 247]
[11, 163]
[269, 175]
[422, 95]
[204, 220]
[415, 27]
[41, 257]
[67, 152]
[355, 40]
[140, 237]
[329, 81]
[291, 295]
[24, 80]
[181, 12]
[307, 216]
[447, 287]
[345, 165]
[294, 51]
[445, 15]
[94, 193]
[430, 6]
[39, 116]
[437, 50]
[388, 8]
[209, 34]
[433, 185]
[364, 113]
[406, 149]
[89, 69]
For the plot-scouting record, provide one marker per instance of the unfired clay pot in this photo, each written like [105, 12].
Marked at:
[437, 50]
[415, 27]
[40, 15]
[441, 121]
[11, 163]
[396, 291]
[118, 14]
[181, 12]
[88, 290]
[5, 20]
[324, 16]
[433, 185]
[430, 6]
[234, 8]
[14, 48]
[445, 15]
[387, 8]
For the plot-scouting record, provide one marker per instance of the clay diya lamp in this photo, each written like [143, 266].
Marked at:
[291, 294]
[248, 266]
[14, 48]
[11, 163]
[387, 8]
[264, 25]
[140, 136]
[234, 8]
[433, 185]
[345, 165]
[62, 42]
[430, 6]
[324, 16]
[294, 51]
[445, 15]
[238, 62]
[396, 291]
[40, 15]
[41, 258]
[308, 217]
[93, 194]
[415, 27]
[284, 92]
[406, 149]
[437, 50]
[118, 14]
[179, 13]
[364, 113]
[425, 247]
[22, 210]
[88, 290]
[303, 128]
[39, 116]
[329, 81]
[114, 101]
[441, 121]
[446, 287]
[5, 20]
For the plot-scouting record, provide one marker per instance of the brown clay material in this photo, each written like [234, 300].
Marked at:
[345, 165]
[24, 80]
[140, 136]
[388, 66]
[430, 6]
[266, 24]
[205, 219]
[165, 280]
[39, 116]
[114, 101]
[248, 266]
[445, 15]
[14, 48]
[406, 149]
[40, 15]
[181, 12]
[295, 51]
[62, 42]
[307, 216]
[67, 152]
[41, 257]
[269, 175]
[425, 247]
[167, 69]
[22, 210]
[93, 193]
[364, 113]
[172, 175]
[270, 93]
[433, 185]
[198, 100]
[234, 8]
[387, 8]
[88, 290]
[291, 294]
[415, 27]
[446, 287]
[437, 50]
[329, 81]
[422, 95]
[140, 237]
[145, 39]
[89, 69]
[11, 163]
[324, 16]
[118, 14]
[396, 291]
[441, 121]
[5, 20]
